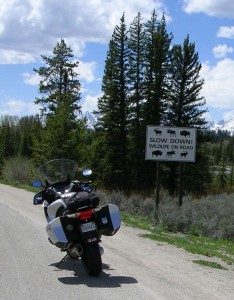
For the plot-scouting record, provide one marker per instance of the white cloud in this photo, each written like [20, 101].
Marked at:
[76, 45]
[16, 107]
[15, 57]
[226, 32]
[221, 51]
[34, 26]
[31, 79]
[90, 103]
[218, 8]
[219, 82]
[208, 116]
[86, 71]
[228, 115]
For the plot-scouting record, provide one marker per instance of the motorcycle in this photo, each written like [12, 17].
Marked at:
[75, 221]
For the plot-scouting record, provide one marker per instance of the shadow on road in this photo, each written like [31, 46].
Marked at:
[81, 277]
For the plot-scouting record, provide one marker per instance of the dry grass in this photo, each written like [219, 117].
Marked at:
[211, 216]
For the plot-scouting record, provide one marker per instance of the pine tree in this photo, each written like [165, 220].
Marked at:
[9, 138]
[222, 177]
[158, 42]
[26, 125]
[112, 107]
[185, 104]
[136, 135]
[58, 78]
[60, 87]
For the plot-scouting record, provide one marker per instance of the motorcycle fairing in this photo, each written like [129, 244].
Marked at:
[55, 209]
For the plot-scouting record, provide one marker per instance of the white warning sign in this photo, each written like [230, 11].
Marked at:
[170, 143]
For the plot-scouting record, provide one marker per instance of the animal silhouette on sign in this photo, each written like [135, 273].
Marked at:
[170, 153]
[156, 153]
[184, 154]
[185, 133]
[171, 132]
[158, 132]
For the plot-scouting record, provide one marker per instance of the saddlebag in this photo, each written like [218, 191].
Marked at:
[108, 219]
[62, 231]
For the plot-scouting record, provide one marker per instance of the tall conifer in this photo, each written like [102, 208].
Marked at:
[158, 42]
[136, 45]
[60, 104]
[112, 107]
[186, 106]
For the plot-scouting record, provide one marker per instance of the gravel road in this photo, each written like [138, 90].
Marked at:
[133, 267]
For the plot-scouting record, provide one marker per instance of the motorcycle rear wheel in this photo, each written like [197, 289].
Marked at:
[92, 260]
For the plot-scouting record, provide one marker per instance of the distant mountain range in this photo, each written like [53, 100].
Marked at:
[91, 119]
[222, 125]
[212, 125]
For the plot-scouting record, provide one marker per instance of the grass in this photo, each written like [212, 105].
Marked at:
[211, 264]
[221, 249]
[19, 185]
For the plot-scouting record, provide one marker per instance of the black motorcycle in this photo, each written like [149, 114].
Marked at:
[75, 222]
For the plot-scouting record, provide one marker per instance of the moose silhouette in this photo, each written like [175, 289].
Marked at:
[170, 153]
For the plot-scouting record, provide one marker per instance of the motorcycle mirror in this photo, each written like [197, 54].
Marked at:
[38, 199]
[87, 172]
[37, 183]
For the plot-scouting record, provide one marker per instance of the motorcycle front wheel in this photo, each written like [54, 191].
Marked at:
[91, 259]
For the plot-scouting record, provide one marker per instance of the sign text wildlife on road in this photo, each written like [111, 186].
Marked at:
[170, 143]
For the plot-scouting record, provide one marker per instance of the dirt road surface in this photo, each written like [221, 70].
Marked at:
[133, 267]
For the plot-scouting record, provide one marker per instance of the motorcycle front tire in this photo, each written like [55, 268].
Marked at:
[92, 260]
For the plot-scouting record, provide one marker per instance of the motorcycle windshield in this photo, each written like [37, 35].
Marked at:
[57, 170]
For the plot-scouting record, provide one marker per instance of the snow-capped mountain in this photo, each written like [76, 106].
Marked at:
[222, 125]
[212, 125]
[91, 119]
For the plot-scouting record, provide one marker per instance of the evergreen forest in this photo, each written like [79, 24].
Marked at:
[147, 80]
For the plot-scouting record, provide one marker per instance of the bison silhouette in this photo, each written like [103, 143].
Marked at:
[185, 133]
[156, 153]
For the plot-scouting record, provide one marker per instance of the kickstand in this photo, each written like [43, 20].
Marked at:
[62, 260]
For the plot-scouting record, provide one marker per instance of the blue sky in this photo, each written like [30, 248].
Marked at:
[30, 28]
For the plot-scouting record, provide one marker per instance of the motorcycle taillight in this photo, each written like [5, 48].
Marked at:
[86, 214]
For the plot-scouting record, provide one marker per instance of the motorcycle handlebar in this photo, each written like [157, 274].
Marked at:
[53, 191]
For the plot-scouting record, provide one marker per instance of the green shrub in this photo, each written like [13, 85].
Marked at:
[212, 216]
[18, 169]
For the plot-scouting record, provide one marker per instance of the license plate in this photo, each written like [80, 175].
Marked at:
[88, 227]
